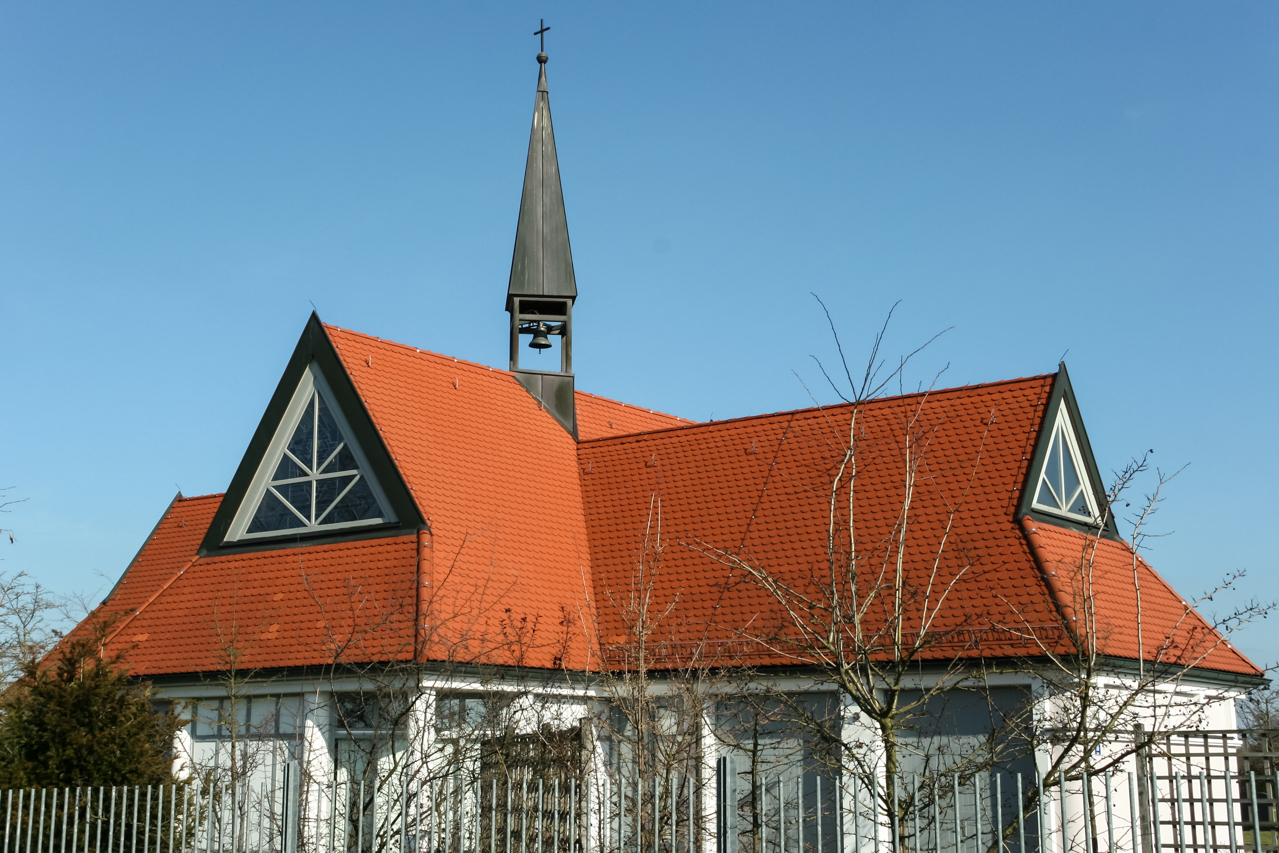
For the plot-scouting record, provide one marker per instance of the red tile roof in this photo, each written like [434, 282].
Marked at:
[600, 417]
[534, 538]
[266, 609]
[759, 487]
[1162, 628]
[496, 478]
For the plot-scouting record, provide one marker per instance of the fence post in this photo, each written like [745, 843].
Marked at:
[726, 789]
[292, 806]
[1144, 790]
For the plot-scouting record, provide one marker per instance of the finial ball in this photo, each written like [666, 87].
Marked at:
[541, 58]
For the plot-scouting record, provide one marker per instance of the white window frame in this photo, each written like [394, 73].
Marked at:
[312, 382]
[1062, 424]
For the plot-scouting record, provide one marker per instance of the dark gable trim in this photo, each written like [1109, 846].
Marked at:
[314, 345]
[1062, 391]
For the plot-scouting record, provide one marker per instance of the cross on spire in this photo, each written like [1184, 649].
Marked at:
[541, 34]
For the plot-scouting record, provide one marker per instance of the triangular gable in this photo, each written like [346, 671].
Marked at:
[314, 477]
[1063, 483]
[283, 495]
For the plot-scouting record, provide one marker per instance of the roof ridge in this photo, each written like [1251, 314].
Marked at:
[209, 496]
[626, 405]
[831, 407]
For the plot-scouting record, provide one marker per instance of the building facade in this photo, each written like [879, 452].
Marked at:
[429, 574]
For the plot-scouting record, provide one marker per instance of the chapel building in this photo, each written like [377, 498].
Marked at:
[409, 535]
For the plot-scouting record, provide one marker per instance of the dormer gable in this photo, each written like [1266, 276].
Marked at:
[314, 477]
[1063, 484]
[316, 468]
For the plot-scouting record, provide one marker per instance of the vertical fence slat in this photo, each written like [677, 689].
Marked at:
[1230, 810]
[1209, 837]
[997, 825]
[1134, 813]
[1085, 796]
[1021, 818]
[1181, 814]
[17, 841]
[690, 781]
[262, 822]
[1061, 811]
[1256, 815]
[1110, 815]
[977, 825]
[818, 791]
[1045, 837]
[359, 831]
[890, 797]
[146, 830]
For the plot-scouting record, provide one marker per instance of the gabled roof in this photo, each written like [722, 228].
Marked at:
[505, 537]
[759, 487]
[1163, 628]
[527, 542]
[179, 613]
[495, 477]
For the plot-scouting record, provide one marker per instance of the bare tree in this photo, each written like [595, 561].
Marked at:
[28, 623]
[28, 627]
[655, 690]
[1100, 705]
[865, 622]
[439, 695]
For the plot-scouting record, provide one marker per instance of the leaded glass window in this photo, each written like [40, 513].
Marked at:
[316, 479]
[1062, 486]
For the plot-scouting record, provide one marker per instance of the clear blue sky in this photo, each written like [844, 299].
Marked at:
[180, 181]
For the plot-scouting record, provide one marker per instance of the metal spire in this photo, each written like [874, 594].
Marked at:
[543, 262]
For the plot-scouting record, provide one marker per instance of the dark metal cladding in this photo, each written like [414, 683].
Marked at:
[543, 262]
[555, 392]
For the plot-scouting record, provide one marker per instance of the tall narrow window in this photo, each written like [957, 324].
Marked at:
[313, 477]
[1063, 488]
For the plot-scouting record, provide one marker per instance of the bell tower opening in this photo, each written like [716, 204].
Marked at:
[541, 328]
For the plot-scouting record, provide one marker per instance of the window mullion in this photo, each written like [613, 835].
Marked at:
[338, 499]
[315, 451]
[315, 431]
[288, 505]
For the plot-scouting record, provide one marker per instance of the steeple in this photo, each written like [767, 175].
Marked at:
[542, 287]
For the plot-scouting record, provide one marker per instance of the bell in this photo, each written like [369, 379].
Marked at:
[539, 338]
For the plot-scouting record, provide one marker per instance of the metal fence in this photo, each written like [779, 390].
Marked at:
[1213, 809]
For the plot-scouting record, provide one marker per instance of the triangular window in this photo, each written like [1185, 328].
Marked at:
[1063, 486]
[313, 477]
